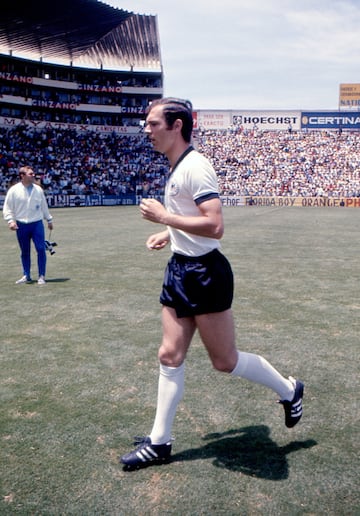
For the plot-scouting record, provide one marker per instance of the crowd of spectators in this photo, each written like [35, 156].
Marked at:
[251, 163]
[285, 163]
[74, 162]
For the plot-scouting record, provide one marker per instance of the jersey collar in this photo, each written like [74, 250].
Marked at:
[183, 155]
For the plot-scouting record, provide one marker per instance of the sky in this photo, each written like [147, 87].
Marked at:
[256, 54]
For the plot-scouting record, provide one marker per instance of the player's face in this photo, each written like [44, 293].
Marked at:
[161, 136]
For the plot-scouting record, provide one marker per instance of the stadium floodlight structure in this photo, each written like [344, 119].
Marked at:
[57, 49]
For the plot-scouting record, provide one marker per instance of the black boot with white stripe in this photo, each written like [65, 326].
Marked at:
[293, 409]
[146, 454]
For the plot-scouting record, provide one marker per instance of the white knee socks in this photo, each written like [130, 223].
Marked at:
[257, 369]
[171, 388]
[170, 392]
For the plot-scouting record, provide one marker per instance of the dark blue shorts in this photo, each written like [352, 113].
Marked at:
[198, 285]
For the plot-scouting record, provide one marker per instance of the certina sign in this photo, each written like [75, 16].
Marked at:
[330, 120]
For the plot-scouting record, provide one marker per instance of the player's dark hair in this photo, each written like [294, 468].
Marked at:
[175, 109]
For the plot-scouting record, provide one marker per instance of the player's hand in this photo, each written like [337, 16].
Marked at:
[157, 241]
[153, 210]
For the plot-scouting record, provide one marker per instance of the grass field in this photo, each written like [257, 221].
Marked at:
[78, 374]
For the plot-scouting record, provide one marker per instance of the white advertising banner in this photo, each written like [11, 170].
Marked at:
[216, 119]
[260, 120]
[267, 120]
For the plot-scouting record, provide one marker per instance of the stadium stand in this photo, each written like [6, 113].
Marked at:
[78, 62]
[282, 163]
[264, 164]
[75, 162]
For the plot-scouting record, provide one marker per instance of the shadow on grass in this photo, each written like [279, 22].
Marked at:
[248, 450]
[57, 280]
[52, 280]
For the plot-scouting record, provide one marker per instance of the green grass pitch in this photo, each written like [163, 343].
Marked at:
[78, 372]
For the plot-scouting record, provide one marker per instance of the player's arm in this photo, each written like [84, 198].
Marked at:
[9, 212]
[208, 223]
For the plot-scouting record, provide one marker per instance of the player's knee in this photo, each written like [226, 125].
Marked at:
[223, 364]
[170, 357]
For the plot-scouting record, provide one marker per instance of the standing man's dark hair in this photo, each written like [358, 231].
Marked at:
[176, 109]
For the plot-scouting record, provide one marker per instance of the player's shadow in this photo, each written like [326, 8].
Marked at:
[248, 450]
[57, 280]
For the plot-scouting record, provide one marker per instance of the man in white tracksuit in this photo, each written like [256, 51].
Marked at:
[24, 209]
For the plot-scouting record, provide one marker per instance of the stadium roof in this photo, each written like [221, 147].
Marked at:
[86, 33]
